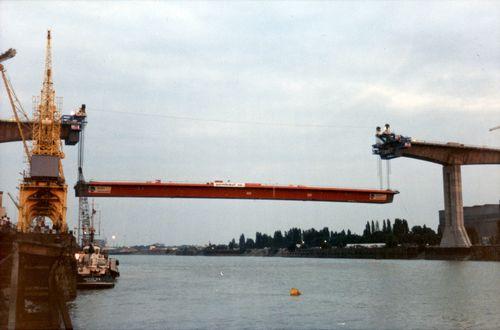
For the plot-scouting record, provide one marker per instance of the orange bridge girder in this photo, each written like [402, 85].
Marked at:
[216, 190]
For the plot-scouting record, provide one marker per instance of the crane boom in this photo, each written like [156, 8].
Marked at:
[10, 53]
[13, 100]
[229, 190]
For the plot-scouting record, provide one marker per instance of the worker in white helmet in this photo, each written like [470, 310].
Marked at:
[387, 134]
[378, 136]
[387, 130]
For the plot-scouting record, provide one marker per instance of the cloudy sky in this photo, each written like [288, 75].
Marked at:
[280, 92]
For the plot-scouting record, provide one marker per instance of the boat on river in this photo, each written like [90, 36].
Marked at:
[95, 269]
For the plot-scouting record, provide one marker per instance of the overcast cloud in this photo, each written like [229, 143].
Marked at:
[281, 92]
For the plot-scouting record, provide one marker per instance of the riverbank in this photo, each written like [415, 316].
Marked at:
[475, 253]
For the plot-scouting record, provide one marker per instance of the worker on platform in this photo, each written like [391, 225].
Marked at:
[387, 130]
[378, 136]
[388, 135]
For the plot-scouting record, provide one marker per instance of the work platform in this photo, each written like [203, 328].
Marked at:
[229, 190]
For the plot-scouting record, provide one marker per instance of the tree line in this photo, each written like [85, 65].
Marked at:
[392, 234]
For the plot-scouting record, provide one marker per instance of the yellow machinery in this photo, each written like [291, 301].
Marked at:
[42, 193]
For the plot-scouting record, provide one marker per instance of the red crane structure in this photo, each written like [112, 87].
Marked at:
[230, 190]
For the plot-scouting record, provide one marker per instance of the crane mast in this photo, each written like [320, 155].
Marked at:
[84, 215]
[47, 118]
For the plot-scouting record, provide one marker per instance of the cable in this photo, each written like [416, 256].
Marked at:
[388, 164]
[239, 122]
[379, 172]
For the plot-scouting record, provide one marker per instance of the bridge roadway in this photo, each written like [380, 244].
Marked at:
[229, 190]
[10, 133]
[451, 156]
[452, 153]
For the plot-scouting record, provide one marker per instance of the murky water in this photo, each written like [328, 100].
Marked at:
[158, 292]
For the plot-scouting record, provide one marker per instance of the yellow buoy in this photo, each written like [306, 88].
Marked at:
[295, 292]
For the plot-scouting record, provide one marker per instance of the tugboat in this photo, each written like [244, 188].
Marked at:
[95, 269]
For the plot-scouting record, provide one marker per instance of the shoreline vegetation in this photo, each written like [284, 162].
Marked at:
[474, 253]
[387, 241]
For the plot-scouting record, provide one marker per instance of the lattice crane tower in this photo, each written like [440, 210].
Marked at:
[42, 193]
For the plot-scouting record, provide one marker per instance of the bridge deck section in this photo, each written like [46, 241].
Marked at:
[452, 153]
[10, 133]
[232, 191]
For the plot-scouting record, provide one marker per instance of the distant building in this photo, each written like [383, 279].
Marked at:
[483, 218]
[366, 245]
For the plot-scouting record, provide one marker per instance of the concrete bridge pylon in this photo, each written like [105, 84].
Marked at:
[454, 233]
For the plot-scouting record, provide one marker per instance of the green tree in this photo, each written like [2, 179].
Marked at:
[400, 230]
[242, 242]
[311, 237]
[259, 243]
[292, 237]
[278, 240]
[250, 244]
[267, 241]
[422, 235]
[232, 244]
[405, 227]
[367, 232]
[390, 240]
[324, 235]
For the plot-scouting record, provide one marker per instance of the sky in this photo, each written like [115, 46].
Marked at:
[271, 92]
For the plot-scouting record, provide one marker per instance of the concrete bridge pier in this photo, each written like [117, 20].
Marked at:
[454, 233]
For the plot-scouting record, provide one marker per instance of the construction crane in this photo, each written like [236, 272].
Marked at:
[78, 121]
[43, 191]
[10, 53]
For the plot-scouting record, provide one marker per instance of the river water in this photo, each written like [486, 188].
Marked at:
[176, 292]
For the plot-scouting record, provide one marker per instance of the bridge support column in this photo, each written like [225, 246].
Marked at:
[454, 233]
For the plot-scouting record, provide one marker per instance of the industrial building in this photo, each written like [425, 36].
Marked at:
[483, 218]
